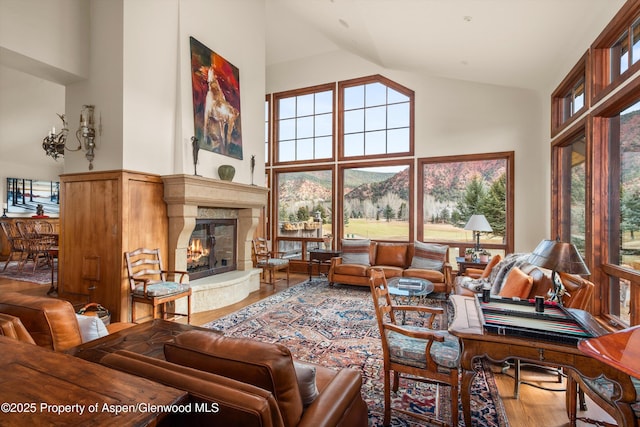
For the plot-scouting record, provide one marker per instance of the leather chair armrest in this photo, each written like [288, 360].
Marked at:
[12, 327]
[334, 401]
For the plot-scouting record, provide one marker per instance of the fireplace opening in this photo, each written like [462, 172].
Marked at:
[212, 247]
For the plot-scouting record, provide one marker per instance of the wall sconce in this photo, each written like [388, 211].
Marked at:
[54, 144]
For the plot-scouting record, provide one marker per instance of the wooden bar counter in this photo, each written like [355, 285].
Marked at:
[42, 387]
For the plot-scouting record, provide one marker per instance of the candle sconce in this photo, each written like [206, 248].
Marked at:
[54, 144]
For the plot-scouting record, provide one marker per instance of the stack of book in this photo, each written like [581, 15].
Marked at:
[410, 284]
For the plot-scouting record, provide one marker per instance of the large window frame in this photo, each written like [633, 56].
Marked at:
[613, 92]
[564, 108]
[297, 140]
[364, 81]
[509, 157]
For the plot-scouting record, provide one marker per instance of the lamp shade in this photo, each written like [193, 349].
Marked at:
[478, 223]
[558, 256]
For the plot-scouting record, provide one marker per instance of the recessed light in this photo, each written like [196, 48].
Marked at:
[467, 18]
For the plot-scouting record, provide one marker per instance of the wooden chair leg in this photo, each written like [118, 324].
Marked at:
[188, 309]
[387, 397]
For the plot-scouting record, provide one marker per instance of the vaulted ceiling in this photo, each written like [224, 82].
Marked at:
[520, 43]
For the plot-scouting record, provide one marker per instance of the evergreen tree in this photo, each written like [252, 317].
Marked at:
[388, 213]
[471, 201]
[494, 206]
[630, 207]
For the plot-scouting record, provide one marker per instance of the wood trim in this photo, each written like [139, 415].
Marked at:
[580, 70]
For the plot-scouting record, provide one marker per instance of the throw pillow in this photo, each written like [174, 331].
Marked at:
[91, 327]
[306, 375]
[431, 256]
[356, 251]
[517, 285]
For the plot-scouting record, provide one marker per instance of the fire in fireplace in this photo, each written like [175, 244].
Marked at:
[212, 247]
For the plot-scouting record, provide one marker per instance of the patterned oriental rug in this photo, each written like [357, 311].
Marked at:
[336, 327]
[41, 276]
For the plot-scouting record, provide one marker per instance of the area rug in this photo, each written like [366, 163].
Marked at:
[336, 327]
[42, 275]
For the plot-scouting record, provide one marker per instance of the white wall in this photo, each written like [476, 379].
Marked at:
[454, 117]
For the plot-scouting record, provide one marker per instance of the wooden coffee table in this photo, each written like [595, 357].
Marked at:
[43, 387]
[145, 338]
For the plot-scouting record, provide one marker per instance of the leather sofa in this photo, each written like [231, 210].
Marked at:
[48, 322]
[397, 260]
[259, 383]
[578, 294]
[253, 383]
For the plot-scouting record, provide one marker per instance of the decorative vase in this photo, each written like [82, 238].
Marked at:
[226, 172]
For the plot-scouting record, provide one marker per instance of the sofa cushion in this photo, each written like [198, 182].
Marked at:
[356, 251]
[517, 284]
[265, 365]
[91, 327]
[431, 256]
[431, 275]
[391, 254]
[306, 376]
[351, 270]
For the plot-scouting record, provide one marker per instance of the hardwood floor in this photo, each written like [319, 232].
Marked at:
[534, 407]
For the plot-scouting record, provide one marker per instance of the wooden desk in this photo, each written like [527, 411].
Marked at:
[322, 257]
[42, 387]
[476, 343]
[619, 349]
[144, 338]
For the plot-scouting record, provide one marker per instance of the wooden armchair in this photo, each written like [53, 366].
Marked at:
[268, 260]
[412, 352]
[150, 285]
[17, 251]
[36, 246]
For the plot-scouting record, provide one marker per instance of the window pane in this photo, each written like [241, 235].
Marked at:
[324, 102]
[376, 203]
[287, 129]
[287, 108]
[398, 140]
[323, 148]
[323, 125]
[304, 214]
[572, 221]
[394, 96]
[375, 118]
[287, 151]
[305, 149]
[354, 121]
[453, 191]
[305, 105]
[375, 143]
[624, 198]
[354, 144]
[398, 115]
[304, 127]
[635, 42]
[353, 97]
[375, 94]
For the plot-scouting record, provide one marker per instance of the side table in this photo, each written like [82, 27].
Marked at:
[463, 265]
[322, 257]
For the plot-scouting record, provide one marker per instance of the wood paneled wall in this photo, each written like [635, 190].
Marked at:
[103, 215]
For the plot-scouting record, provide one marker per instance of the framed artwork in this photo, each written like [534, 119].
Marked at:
[216, 101]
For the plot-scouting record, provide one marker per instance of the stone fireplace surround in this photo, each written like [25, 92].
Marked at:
[186, 197]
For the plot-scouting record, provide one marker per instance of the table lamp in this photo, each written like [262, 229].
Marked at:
[478, 224]
[561, 257]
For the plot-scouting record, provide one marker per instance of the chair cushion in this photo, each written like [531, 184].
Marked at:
[410, 351]
[356, 251]
[517, 285]
[162, 288]
[273, 261]
[351, 270]
[605, 388]
[431, 256]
